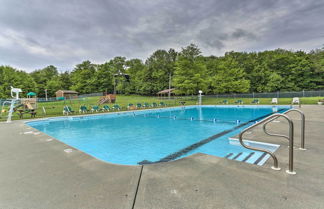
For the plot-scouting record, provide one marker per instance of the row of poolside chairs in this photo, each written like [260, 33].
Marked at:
[295, 100]
[131, 106]
[96, 108]
[240, 102]
[84, 109]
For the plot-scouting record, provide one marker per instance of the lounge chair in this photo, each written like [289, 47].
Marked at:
[83, 109]
[95, 108]
[139, 106]
[255, 101]
[146, 105]
[224, 101]
[162, 104]
[67, 110]
[130, 106]
[116, 107]
[154, 104]
[182, 103]
[238, 101]
[295, 100]
[106, 108]
[274, 101]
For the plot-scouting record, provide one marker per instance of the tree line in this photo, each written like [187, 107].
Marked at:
[187, 71]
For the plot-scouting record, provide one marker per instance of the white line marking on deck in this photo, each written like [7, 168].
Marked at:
[68, 150]
[28, 132]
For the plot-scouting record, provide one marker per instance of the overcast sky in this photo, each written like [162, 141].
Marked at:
[38, 33]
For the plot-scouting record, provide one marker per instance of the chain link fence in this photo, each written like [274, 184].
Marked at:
[277, 94]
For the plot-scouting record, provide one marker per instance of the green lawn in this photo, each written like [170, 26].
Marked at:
[56, 108]
[263, 101]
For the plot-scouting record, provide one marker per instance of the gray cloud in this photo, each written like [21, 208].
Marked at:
[37, 33]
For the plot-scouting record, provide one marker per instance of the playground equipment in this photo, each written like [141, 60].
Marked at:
[28, 104]
[109, 98]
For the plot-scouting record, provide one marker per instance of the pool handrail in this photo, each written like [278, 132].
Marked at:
[302, 132]
[290, 137]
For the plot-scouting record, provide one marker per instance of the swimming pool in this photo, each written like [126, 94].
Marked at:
[160, 135]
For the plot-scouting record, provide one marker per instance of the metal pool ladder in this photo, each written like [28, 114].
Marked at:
[290, 138]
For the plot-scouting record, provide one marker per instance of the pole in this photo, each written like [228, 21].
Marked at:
[114, 85]
[199, 101]
[169, 93]
[46, 94]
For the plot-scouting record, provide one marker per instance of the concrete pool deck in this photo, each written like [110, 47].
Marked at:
[36, 172]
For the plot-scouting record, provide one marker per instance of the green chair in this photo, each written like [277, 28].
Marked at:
[146, 105]
[255, 101]
[106, 108]
[238, 101]
[83, 109]
[139, 106]
[130, 106]
[116, 107]
[154, 104]
[162, 104]
[67, 110]
[95, 108]
[224, 101]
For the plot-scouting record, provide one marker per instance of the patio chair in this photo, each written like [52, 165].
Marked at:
[224, 101]
[139, 106]
[116, 107]
[295, 100]
[238, 101]
[130, 106]
[67, 110]
[255, 101]
[162, 104]
[95, 108]
[106, 108]
[274, 101]
[146, 105]
[83, 109]
[154, 104]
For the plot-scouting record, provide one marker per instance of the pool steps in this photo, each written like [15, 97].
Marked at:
[248, 157]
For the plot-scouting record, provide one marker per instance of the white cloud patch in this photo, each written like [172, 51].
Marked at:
[37, 33]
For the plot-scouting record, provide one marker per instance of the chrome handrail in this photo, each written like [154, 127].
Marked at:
[303, 124]
[302, 143]
[270, 134]
[291, 142]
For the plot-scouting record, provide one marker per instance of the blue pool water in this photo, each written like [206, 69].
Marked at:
[161, 134]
